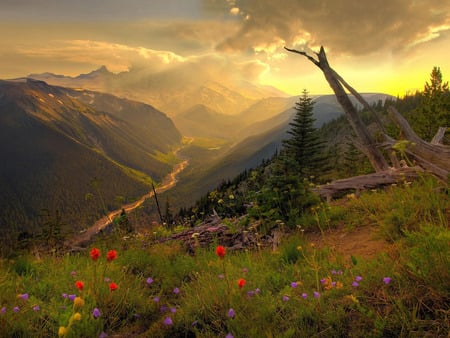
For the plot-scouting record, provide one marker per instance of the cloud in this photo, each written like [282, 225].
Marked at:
[343, 26]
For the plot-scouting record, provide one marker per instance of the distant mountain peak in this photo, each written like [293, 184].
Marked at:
[102, 71]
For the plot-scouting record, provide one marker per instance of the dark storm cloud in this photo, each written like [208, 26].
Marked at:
[344, 26]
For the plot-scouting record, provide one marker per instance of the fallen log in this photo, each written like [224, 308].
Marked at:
[369, 181]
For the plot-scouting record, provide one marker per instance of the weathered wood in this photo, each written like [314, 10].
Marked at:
[434, 158]
[368, 144]
[437, 139]
[369, 181]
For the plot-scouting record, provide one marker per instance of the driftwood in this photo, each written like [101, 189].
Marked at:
[432, 157]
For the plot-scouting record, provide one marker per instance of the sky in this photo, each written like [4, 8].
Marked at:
[387, 46]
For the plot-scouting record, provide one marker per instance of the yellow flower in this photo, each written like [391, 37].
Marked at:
[62, 331]
[353, 298]
[78, 302]
[76, 316]
[299, 248]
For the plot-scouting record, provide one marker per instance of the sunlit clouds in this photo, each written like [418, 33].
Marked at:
[379, 45]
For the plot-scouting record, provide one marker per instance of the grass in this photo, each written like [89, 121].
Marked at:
[298, 290]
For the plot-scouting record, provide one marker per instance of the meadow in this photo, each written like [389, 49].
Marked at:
[128, 287]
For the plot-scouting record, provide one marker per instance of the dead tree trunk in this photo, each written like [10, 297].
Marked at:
[368, 145]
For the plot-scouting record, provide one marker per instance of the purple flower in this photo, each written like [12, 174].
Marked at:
[323, 280]
[96, 313]
[285, 298]
[333, 272]
[164, 308]
[339, 272]
[103, 335]
[251, 293]
[176, 291]
[16, 309]
[156, 299]
[333, 284]
[36, 308]
[358, 278]
[194, 323]
[221, 276]
[231, 313]
[387, 280]
[149, 280]
[294, 284]
[229, 335]
[244, 270]
[24, 296]
[168, 321]
[173, 309]
[107, 279]
[64, 295]
[3, 310]
[73, 273]
[72, 297]
[304, 295]
[355, 284]
[316, 294]
[257, 290]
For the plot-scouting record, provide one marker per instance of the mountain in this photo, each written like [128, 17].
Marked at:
[173, 90]
[61, 146]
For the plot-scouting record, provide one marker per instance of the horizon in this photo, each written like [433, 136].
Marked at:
[399, 43]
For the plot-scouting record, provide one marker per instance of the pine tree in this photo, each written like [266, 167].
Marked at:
[305, 145]
[434, 110]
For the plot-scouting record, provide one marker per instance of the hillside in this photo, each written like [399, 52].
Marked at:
[60, 149]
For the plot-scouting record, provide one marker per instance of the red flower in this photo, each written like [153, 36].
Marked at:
[113, 286]
[241, 283]
[95, 254]
[79, 285]
[220, 251]
[111, 255]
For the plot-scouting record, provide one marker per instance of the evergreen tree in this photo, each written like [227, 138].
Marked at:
[434, 110]
[305, 145]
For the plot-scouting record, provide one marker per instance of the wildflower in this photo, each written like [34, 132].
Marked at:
[358, 278]
[304, 295]
[24, 296]
[149, 280]
[107, 279]
[36, 308]
[229, 335]
[231, 313]
[72, 297]
[76, 316]
[156, 299]
[103, 335]
[113, 286]
[323, 281]
[241, 283]
[294, 284]
[299, 248]
[168, 321]
[220, 251]
[96, 313]
[73, 273]
[316, 294]
[62, 331]
[221, 276]
[111, 255]
[285, 298]
[64, 295]
[176, 291]
[79, 285]
[251, 293]
[333, 272]
[3, 310]
[257, 290]
[78, 302]
[173, 309]
[353, 298]
[164, 308]
[16, 309]
[95, 254]
[355, 284]
[194, 323]
[387, 280]
[244, 270]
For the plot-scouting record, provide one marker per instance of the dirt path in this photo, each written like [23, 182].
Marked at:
[362, 241]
